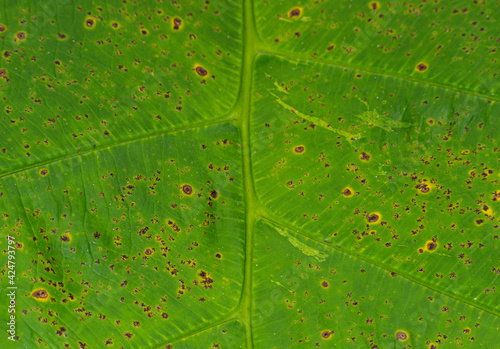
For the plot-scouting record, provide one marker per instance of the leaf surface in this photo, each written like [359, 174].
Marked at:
[249, 174]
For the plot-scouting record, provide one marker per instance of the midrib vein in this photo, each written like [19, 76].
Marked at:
[249, 53]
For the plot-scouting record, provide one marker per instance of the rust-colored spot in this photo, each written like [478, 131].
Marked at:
[421, 67]
[201, 71]
[295, 12]
[43, 172]
[148, 252]
[21, 35]
[187, 189]
[89, 23]
[326, 334]
[40, 294]
[373, 218]
[401, 336]
[299, 149]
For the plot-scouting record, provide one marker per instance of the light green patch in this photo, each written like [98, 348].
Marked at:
[373, 118]
[350, 137]
[308, 251]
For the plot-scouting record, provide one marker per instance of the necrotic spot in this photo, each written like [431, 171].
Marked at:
[326, 334]
[347, 192]
[176, 23]
[373, 218]
[214, 194]
[21, 35]
[364, 156]
[218, 256]
[325, 284]
[295, 12]
[2, 28]
[401, 336]
[421, 67]
[43, 172]
[431, 245]
[374, 5]
[41, 294]
[299, 149]
[201, 71]
[187, 189]
[89, 23]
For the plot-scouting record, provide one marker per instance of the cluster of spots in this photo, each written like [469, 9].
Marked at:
[359, 293]
[102, 103]
[404, 191]
[400, 38]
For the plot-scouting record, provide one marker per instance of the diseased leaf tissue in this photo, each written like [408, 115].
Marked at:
[253, 174]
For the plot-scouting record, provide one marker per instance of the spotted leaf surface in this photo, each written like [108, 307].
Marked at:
[249, 174]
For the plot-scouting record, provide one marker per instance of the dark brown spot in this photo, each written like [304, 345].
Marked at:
[401, 336]
[421, 67]
[40, 294]
[19, 245]
[164, 315]
[187, 189]
[97, 235]
[300, 149]
[144, 32]
[21, 35]
[2, 28]
[331, 47]
[201, 71]
[479, 221]
[347, 192]
[148, 252]
[372, 218]
[326, 334]
[214, 194]
[177, 23]
[364, 156]
[114, 25]
[61, 36]
[65, 238]
[89, 22]
[431, 246]
[218, 256]
[374, 5]
[3, 72]
[43, 172]
[325, 284]
[295, 12]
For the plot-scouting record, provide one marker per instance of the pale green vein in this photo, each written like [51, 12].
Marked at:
[350, 137]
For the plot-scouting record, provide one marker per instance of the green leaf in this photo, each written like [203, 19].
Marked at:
[249, 174]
